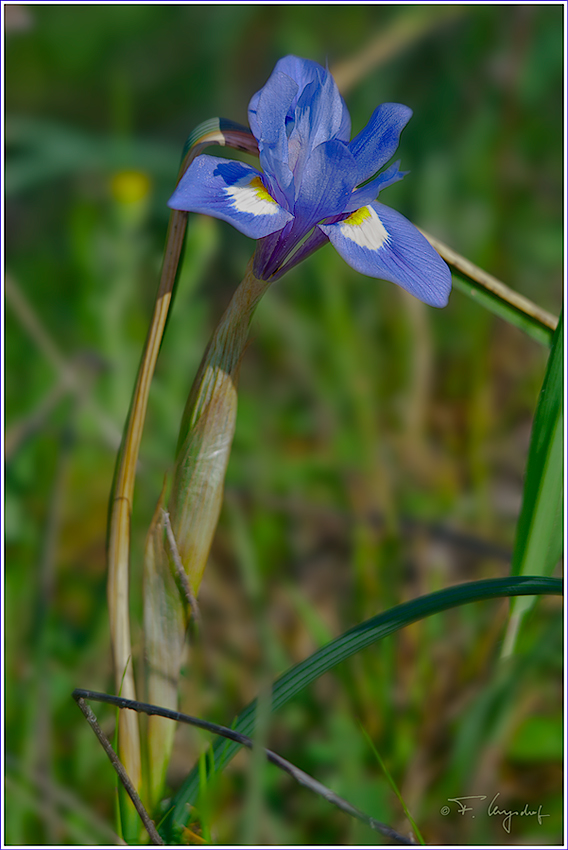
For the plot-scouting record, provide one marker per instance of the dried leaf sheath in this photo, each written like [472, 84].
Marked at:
[204, 445]
[164, 631]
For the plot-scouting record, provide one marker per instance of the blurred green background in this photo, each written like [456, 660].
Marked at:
[380, 444]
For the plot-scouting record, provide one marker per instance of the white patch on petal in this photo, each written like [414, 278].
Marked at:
[365, 229]
[249, 196]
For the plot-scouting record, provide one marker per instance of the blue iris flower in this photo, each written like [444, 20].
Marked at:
[317, 186]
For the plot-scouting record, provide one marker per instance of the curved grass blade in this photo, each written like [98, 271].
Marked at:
[538, 545]
[496, 296]
[329, 656]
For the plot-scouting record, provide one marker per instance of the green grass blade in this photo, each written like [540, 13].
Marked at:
[495, 296]
[393, 785]
[500, 307]
[538, 545]
[329, 656]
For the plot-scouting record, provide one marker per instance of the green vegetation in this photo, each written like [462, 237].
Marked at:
[380, 445]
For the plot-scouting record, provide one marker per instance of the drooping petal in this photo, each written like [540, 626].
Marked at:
[379, 242]
[231, 191]
[378, 141]
[367, 193]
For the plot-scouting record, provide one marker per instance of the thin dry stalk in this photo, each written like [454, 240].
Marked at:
[179, 570]
[121, 503]
[123, 775]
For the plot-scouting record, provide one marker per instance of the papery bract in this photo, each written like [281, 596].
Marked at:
[316, 185]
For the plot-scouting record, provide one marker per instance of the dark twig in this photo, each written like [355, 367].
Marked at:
[302, 778]
[79, 697]
[180, 572]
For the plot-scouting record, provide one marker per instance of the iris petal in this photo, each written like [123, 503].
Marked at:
[367, 193]
[307, 192]
[273, 104]
[231, 191]
[327, 182]
[303, 72]
[328, 178]
[379, 242]
[319, 112]
[378, 141]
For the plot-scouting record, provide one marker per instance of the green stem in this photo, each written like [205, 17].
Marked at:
[207, 430]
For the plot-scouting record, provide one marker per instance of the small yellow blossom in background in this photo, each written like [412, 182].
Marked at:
[131, 191]
[130, 187]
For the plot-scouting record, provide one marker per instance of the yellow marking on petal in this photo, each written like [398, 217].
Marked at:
[250, 196]
[261, 193]
[365, 229]
[358, 217]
